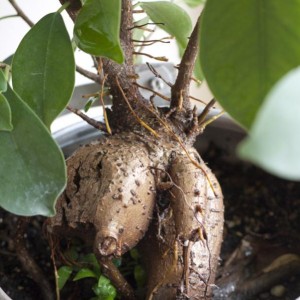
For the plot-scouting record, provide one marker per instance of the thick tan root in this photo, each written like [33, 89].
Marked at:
[183, 263]
[110, 196]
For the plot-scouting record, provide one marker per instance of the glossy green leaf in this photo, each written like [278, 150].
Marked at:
[174, 19]
[3, 82]
[64, 274]
[97, 29]
[246, 46]
[32, 167]
[84, 273]
[193, 3]
[274, 140]
[5, 114]
[43, 69]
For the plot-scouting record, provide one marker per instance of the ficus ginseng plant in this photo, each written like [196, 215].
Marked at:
[108, 193]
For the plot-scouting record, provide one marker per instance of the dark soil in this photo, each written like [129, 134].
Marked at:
[261, 210]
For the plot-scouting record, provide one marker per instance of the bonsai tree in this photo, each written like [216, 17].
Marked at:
[109, 194]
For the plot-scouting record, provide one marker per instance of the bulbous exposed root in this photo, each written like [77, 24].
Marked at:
[109, 201]
[184, 261]
[109, 197]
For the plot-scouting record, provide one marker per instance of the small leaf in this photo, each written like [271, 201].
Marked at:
[64, 274]
[104, 289]
[43, 68]
[91, 261]
[32, 167]
[84, 273]
[274, 140]
[246, 46]
[103, 281]
[174, 19]
[3, 82]
[90, 258]
[89, 103]
[97, 29]
[5, 115]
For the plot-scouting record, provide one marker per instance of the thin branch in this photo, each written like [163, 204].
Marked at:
[8, 17]
[154, 92]
[212, 119]
[199, 100]
[206, 110]
[145, 43]
[156, 74]
[88, 74]
[92, 122]
[180, 90]
[138, 11]
[160, 58]
[142, 25]
[21, 13]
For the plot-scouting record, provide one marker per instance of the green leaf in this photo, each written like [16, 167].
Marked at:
[64, 274]
[104, 289]
[5, 115]
[274, 139]
[84, 273]
[97, 29]
[91, 260]
[246, 46]
[174, 19]
[193, 3]
[3, 82]
[43, 68]
[32, 167]
[89, 103]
